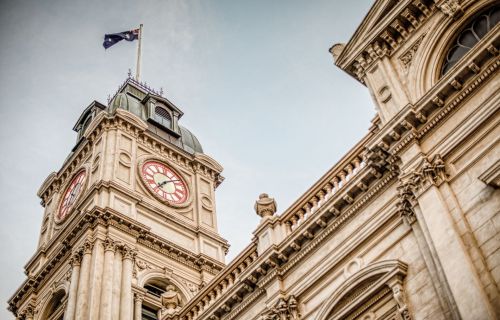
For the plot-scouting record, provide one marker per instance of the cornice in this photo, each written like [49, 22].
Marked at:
[108, 217]
[364, 183]
[368, 46]
[222, 284]
[414, 122]
[278, 260]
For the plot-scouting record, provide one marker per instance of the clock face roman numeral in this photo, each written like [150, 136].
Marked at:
[70, 195]
[164, 182]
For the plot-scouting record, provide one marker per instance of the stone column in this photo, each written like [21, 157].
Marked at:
[126, 286]
[107, 280]
[82, 303]
[96, 279]
[69, 314]
[117, 280]
[139, 297]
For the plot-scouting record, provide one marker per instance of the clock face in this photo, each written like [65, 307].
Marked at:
[70, 195]
[164, 182]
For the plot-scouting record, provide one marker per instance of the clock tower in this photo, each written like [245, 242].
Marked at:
[129, 230]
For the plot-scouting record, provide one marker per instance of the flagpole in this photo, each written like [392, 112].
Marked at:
[138, 65]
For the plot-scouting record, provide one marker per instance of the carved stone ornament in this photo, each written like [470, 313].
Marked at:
[430, 172]
[451, 8]
[128, 253]
[407, 57]
[142, 265]
[76, 259]
[171, 300]
[87, 247]
[406, 200]
[285, 309]
[265, 206]
[411, 185]
[109, 245]
[399, 296]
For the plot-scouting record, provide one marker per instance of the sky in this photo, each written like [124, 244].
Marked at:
[255, 80]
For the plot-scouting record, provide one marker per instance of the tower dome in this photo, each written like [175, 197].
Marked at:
[189, 141]
[124, 101]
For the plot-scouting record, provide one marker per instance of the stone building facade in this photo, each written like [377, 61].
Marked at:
[405, 226]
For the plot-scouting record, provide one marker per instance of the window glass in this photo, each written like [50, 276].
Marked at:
[471, 34]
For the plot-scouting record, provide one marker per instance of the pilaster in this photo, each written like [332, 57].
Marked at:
[422, 200]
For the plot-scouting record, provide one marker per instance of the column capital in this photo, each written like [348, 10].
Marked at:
[139, 297]
[76, 259]
[109, 244]
[87, 246]
[128, 253]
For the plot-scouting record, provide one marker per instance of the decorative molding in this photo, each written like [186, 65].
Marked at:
[284, 309]
[451, 8]
[492, 175]
[406, 201]
[364, 288]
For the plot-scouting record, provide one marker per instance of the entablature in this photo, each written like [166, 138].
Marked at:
[414, 122]
[64, 242]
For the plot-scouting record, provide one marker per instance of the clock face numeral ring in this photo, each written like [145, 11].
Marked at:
[70, 196]
[164, 182]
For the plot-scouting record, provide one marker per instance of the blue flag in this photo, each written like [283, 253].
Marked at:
[112, 38]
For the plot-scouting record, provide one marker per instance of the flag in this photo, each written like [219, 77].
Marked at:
[112, 38]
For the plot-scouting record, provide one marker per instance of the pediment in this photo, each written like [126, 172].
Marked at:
[381, 14]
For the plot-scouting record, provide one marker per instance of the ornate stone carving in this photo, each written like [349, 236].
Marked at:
[128, 253]
[399, 296]
[451, 8]
[430, 172]
[285, 309]
[427, 173]
[142, 265]
[76, 259]
[407, 57]
[138, 297]
[171, 300]
[265, 206]
[406, 200]
[109, 245]
[87, 247]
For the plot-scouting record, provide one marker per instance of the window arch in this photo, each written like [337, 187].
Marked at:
[374, 292]
[54, 310]
[163, 117]
[471, 34]
[161, 296]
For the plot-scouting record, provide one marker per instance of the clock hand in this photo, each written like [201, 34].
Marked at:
[161, 184]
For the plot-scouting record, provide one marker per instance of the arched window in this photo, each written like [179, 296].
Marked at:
[162, 117]
[374, 292]
[161, 296]
[55, 308]
[471, 34]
